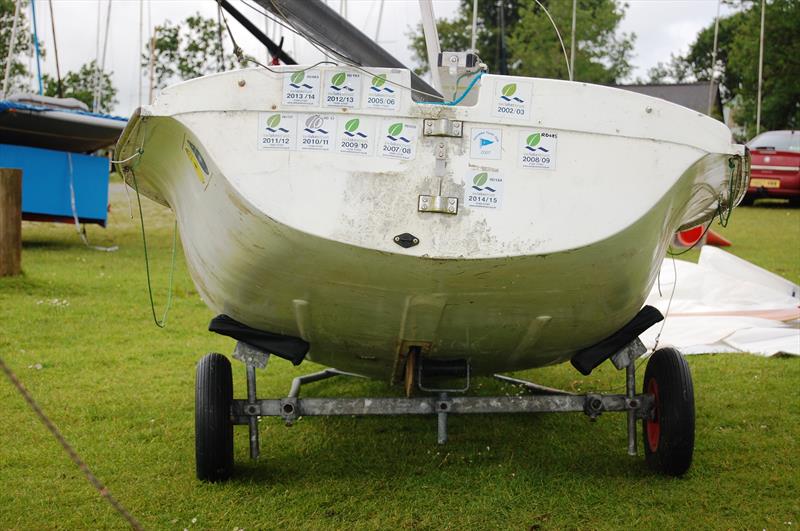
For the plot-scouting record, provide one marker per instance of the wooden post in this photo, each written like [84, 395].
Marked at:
[10, 221]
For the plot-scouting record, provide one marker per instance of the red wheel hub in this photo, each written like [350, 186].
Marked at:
[653, 423]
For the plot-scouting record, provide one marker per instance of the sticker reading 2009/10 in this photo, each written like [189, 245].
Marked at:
[356, 136]
[512, 100]
[483, 189]
[301, 88]
[537, 149]
[277, 130]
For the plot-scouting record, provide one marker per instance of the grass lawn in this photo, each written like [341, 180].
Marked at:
[76, 328]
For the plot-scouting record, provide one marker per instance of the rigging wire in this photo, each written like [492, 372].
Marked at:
[36, 47]
[11, 44]
[99, 68]
[558, 33]
[55, 48]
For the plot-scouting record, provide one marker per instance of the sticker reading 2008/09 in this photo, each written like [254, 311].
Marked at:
[277, 130]
[317, 132]
[356, 136]
[483, 189]
[512, 100]
[537, 149]
[301, 88]
[382, 93]
[342, 89]
[398, 140]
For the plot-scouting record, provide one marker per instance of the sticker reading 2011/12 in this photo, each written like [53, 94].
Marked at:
[537, 149]
[512, 100]
[342, 89]
[277, 130]
[398, 140]
[483, 189]
[355, 136]
[301, 88]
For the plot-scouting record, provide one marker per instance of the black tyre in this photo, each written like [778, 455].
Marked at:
[213, 429]
[669, 432]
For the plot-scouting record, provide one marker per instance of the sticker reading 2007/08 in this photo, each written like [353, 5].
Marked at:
[301, 88]
[277, 130]
[342, 89]
[398, 140]
[356, 136]
[512, 100]
[317, 132]
[483, 189]
[382, 93]
[537, 149]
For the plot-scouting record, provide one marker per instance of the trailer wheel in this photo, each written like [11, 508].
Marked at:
[669, 432]
[213, 428]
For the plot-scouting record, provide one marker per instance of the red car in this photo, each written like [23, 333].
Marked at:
[775, 169]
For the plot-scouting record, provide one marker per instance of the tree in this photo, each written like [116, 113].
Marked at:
[532, 47]
[81, 85]
[191, 49]
[19, 78]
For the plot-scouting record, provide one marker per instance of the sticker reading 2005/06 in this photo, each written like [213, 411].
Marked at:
[382, 93]
[483, 189]
[356, 136]
[398, 140]
[277, 130]
[317, 132]
[512, 100]
[537, 149]
[301, 88]
[342, 89]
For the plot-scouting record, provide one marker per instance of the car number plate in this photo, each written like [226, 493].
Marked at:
[766, 183]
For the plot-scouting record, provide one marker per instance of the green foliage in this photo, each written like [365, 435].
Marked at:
[533, 49]
[187, 50]
[19, 77]
[81, 86]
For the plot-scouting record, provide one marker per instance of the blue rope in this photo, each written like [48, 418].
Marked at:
[457, 100]
[36, 46]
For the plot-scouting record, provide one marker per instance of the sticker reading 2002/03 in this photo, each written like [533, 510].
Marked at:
[483, 189]
[512, 100]
[356, 136]
[398, 140]
[537, 149]
[301, 88]
[342, 89]
[277, 130]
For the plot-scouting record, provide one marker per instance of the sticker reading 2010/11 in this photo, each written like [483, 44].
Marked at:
[317, 132]
[483, 189]
[342, 89]
[512, 100]
[356, 136]
[398, 140]
[277, 130]
[537, 149]
[301, 88]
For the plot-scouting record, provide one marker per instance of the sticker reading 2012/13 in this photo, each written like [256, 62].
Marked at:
[512, 100]
[355, 136]
[483, 189]
[382, 94]
[317, 132]
[301, 88]
[538, 149]
[277, 130]
[342, 89]
[398, 140]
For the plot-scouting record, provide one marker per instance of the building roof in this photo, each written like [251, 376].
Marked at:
[691, 95]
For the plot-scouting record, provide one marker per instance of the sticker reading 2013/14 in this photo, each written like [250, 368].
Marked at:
[483, 189]
[342, 89]
[277, 130]
[512, 100]
[537, 149]
[301, 88]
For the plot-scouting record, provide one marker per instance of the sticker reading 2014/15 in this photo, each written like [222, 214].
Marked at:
[399, 140]
[537, 149]
[381, 93]
[301, 88]
[317, 132]
[355, 136]
[483, 189]
[342, 89]
[512, 100]
[277, 130]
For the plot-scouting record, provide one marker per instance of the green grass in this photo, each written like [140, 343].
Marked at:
[121, 390]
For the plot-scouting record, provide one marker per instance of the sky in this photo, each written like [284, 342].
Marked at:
[661, 27]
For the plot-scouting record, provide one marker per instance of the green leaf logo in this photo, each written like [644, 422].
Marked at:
[509, 90]
[351, 125]
[395, 129]
[534, 139]
[480, 179]
[298, 77]
[338, 79]
[379, 81]
[274, 120]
